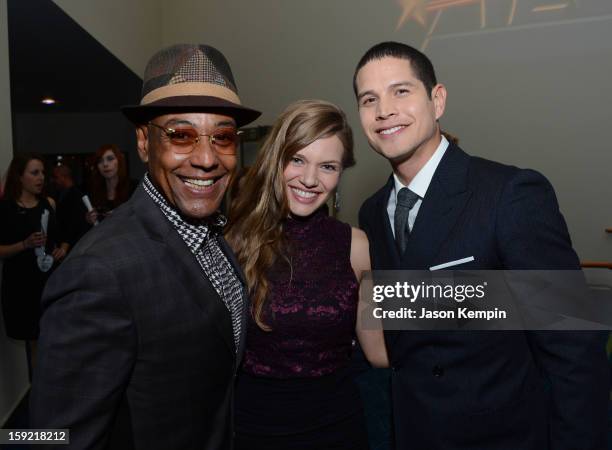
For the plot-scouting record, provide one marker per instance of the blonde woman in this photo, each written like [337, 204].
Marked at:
[303, 270]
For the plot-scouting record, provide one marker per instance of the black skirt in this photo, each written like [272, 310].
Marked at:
[300, 413]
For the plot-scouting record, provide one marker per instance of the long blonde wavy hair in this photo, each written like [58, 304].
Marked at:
[258, 213]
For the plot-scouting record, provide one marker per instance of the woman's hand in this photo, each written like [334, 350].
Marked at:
[59, 253]
[91, 217]
[37, 239]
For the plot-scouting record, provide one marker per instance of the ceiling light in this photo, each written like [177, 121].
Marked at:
[48, 101]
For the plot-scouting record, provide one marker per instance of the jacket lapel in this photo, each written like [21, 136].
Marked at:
[386, 253]
[383, 228]
[444, 201]
[189, 272]
[183, 265]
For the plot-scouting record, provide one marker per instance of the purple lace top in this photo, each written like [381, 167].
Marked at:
[311, 304]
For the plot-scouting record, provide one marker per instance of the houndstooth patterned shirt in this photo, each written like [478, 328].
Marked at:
[202, 240]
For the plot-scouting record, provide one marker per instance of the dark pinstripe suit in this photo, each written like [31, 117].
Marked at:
[489, 390]
[135, 338]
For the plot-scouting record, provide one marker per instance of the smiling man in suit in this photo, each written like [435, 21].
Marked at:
[143, 325]
[470, 390]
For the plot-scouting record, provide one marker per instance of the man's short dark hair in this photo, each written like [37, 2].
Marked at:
[421, 65]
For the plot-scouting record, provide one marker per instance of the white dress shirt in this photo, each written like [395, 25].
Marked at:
[418, 185]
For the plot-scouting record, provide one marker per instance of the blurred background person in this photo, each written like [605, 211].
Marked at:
[110, 183]
[23, 279]
[71, 210]
[303, 270]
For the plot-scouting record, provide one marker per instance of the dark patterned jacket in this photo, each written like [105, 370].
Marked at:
[136, 346]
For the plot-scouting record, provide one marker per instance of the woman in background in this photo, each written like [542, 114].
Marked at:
[110, 183]
[23, 279]
[303, 271]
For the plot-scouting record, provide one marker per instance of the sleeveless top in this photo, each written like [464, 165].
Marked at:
[311, 304]
[22, 280]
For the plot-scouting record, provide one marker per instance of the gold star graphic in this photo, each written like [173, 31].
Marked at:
[412, 9]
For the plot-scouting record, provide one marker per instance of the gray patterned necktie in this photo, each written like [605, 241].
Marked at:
[406, 200]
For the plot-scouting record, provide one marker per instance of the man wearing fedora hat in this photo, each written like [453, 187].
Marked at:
[143, 325]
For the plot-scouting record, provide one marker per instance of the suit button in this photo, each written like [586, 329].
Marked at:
[437, 371]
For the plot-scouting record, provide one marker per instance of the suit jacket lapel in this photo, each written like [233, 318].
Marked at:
[184, 265]
[384, 226]
[388, 256]
[190, 273]
[444, 200]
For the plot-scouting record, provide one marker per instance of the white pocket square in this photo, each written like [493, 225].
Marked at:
[452, 263]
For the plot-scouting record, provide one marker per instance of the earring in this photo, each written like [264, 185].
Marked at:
[336, 202]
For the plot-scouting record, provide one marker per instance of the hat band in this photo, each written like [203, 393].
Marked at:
[193, 88]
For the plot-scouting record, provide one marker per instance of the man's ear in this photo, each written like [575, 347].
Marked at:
[142, 142]
[438, 97]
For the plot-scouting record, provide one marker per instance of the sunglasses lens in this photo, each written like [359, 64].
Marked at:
[183, 138]
[224, 138]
